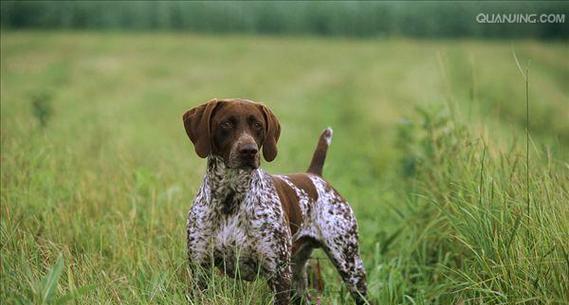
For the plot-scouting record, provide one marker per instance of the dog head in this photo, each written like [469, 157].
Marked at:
[235, 130]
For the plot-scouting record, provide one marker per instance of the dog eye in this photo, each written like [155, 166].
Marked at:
[226, 125]
[257, 125]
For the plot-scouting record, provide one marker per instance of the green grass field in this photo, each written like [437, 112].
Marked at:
[429, 147]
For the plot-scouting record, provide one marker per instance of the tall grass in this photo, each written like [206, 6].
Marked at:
[475, 229]
[94, 195]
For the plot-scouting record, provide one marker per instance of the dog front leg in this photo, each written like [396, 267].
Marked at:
[200, 276]
[278, 266]
[280, 283]
[200, 259]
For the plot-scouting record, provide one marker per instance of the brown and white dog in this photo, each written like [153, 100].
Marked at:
[249, 223]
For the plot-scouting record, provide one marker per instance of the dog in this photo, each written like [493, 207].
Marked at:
[249, 223]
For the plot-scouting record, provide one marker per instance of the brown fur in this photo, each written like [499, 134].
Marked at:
[198, 127]
[319, 156]
[215, 126]
[289, 199]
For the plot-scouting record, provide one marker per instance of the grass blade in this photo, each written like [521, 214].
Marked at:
[50, 281]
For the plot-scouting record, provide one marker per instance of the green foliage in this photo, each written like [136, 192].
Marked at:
[93, 209]
[41, 108]
[338, 18]
[491, 246]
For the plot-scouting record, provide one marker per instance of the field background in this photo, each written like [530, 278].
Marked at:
[429, 147]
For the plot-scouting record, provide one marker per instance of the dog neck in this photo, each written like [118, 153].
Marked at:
[228, 186]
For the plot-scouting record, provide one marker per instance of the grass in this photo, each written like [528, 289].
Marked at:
[429, 147]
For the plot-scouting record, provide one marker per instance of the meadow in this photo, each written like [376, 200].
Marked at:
[97, 173]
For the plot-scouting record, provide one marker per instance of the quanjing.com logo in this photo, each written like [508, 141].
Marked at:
[519, 18]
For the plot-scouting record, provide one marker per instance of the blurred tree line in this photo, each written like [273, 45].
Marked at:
[359, 19]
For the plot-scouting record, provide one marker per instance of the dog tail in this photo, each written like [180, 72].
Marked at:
[319, 156]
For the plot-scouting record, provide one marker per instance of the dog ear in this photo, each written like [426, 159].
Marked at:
[272, 134]
[198, 127]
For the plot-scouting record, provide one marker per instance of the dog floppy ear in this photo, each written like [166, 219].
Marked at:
[198, 127]
[272, 134]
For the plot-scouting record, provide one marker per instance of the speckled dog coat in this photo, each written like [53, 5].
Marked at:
[249, 223]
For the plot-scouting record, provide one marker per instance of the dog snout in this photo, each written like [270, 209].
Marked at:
[248, 150]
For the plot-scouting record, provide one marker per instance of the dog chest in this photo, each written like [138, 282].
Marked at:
[231, 233]
[235, 252]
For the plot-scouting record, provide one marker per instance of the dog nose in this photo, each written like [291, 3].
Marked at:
[248, 150]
